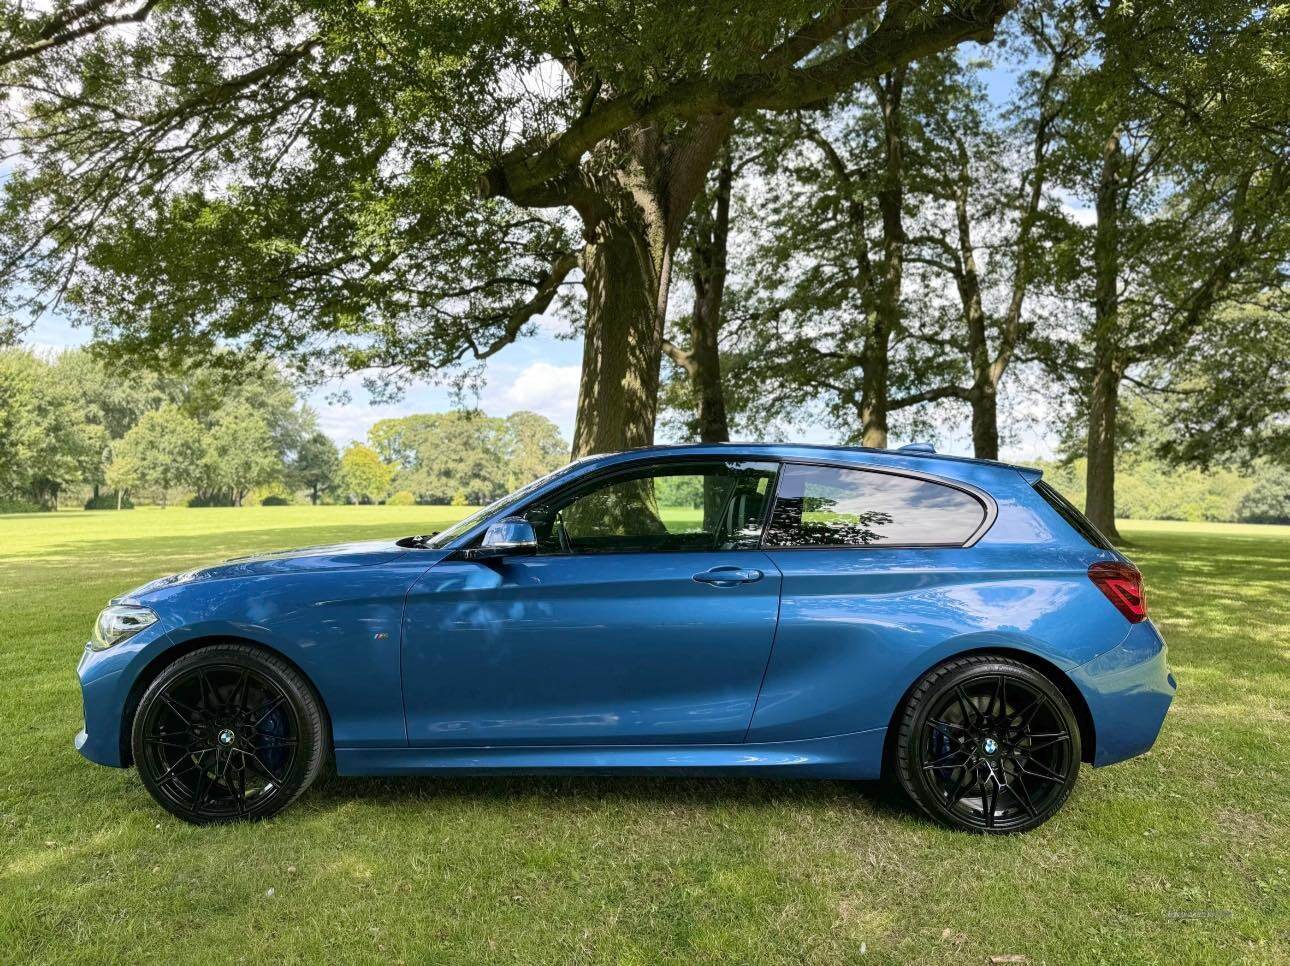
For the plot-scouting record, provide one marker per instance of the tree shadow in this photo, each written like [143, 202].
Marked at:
[332, 790]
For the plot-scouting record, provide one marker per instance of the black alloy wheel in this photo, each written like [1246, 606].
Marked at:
[226, 733]
[988, 744]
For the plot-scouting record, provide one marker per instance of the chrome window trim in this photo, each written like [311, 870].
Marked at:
[987, 502]
[780, 462]
[596, 477]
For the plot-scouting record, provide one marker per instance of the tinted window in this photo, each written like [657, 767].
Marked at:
[822, 506]
[1078, 522]
[666, 507]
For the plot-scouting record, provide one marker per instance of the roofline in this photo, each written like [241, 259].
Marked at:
[1032, 474]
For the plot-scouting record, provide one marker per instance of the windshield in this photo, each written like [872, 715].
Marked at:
[445, 537]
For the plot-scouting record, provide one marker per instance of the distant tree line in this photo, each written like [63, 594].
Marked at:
[71, 424]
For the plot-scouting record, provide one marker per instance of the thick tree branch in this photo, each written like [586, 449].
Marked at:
[930, 395]
[524, 172]
[519, 316]
[819, 30]
[680, 356]
[73, 25]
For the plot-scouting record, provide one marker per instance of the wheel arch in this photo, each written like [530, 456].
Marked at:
[172, 654]
[1055, 675]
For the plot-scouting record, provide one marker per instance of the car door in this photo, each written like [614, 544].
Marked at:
[646, 616]
[875, 572]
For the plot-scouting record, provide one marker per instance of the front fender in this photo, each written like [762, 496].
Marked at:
[341, 628]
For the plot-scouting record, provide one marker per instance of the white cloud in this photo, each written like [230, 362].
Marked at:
[543, 388]
[345, 422]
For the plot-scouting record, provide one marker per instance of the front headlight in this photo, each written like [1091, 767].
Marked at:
[119, 621]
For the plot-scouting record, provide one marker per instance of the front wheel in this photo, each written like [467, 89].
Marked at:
[987, 744]
[228, 732]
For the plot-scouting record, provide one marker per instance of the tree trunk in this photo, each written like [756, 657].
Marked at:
[632, 220]
[985, 420]
[984, 392]
[873, 388]
[710, 259]
[313, 496]
[1099, 498]
[625, 268]
[886, 314]
[118, 499]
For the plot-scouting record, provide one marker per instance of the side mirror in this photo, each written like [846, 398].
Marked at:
[512, 537]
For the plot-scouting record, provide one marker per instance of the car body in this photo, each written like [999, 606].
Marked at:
[700, 647]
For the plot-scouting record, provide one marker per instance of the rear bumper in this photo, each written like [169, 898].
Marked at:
[1128, 690]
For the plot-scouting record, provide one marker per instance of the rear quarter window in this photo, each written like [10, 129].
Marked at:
[1078, 522]
[827, 506]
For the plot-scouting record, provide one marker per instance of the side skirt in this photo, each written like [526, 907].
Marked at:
[857, 756]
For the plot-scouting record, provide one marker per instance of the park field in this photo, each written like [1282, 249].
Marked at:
[1180, 856]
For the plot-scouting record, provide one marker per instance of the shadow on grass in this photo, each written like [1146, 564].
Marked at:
[878, 796]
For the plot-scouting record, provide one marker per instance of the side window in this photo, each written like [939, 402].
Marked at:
[823, 506]
[665, 507]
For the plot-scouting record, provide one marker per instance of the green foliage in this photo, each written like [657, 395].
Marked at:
[363, 477]
[679, 491]
[403, 498]
[350, 186]
[46, 440]
[1233, 388]
[275, 500]
[20, 506]
[240, 452]
[1151, 490]
[161, 452]
[1268, 500]
[441, 455]
[316, 466]
[218, 498]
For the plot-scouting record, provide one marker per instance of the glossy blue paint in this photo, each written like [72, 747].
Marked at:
[856, 756]
[605, 649]
[776, 661]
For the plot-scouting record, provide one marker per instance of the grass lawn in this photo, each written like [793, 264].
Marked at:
[1178, 856]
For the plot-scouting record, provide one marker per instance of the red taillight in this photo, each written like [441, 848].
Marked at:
[1122, 584]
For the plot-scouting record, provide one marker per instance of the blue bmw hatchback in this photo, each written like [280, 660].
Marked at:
[779, 610]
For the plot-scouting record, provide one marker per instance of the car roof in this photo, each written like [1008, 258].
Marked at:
[916, 460]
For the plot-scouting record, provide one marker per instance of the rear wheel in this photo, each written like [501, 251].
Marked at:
[228, 732]
[988, 744]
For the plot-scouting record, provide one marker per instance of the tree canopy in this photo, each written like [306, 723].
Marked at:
[401, 186]
[467, 457]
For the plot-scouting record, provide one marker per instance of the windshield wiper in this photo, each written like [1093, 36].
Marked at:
[421, 542]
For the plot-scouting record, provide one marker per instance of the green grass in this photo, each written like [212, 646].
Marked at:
[1178, 856]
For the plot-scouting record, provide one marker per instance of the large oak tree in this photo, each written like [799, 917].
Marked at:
[403, 186]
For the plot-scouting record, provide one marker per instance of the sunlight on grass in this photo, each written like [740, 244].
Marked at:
[1179, 855]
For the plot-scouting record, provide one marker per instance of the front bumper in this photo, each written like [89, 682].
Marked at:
[1128, 690]
[106, 678]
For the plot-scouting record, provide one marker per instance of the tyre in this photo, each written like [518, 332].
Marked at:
[228, 733]
[987, 744]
